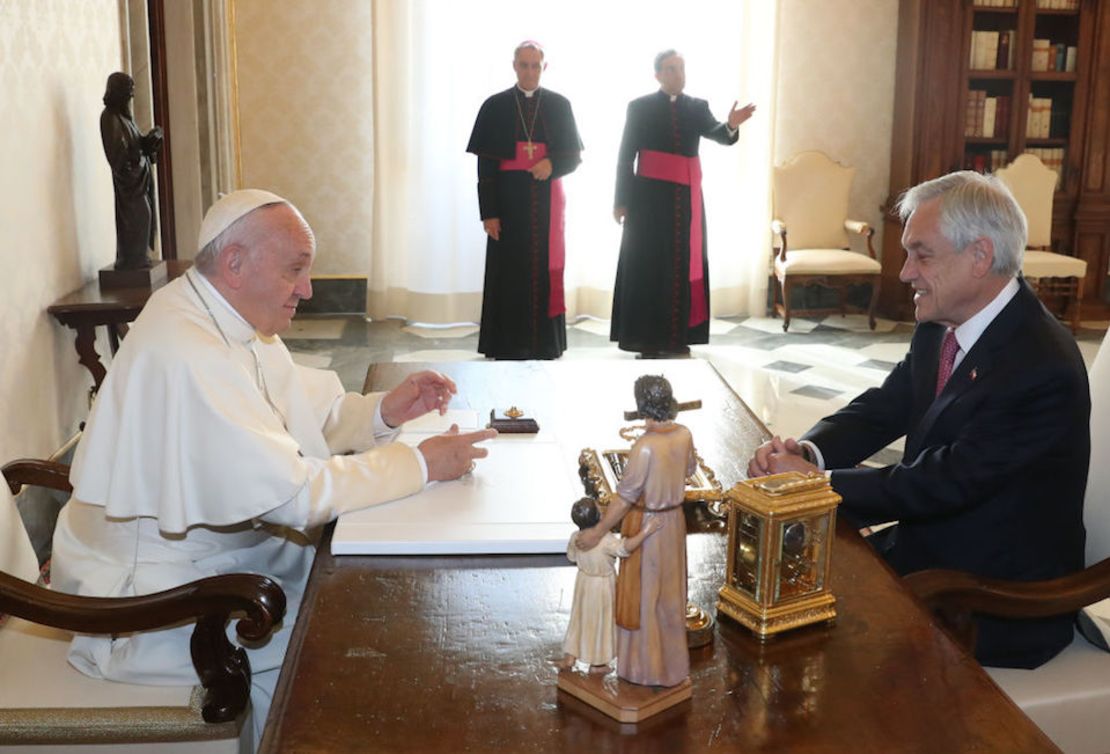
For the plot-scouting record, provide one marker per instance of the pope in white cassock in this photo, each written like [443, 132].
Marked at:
[208, 451]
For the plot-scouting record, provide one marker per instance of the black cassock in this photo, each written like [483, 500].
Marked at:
[522, 300]
[652, 293]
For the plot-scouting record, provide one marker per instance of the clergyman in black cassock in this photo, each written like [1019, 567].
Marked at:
[526, 139]
[661, 294]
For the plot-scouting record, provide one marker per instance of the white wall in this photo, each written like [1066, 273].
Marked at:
[56, 206]
[836, 91]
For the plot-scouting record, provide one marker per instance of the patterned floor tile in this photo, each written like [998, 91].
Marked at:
[454, 331]
[312, 328]
[591, 325]
[856, 323]
[816, 391]
[787, 366]
[773, 325]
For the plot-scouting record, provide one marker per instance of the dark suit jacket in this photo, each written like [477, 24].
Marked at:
[994, 469]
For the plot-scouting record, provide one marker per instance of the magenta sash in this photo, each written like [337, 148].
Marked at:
[556, 243]
[675, 168]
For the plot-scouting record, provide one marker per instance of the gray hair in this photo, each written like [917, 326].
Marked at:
[205, 260]
[528, 44]
[974, 206]
[663, 56]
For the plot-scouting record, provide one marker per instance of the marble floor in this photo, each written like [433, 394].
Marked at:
[789, 379]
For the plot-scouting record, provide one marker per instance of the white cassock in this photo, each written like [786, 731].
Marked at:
[208, 451]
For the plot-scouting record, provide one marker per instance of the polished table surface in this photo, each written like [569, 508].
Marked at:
[90, 307]
[420, 654]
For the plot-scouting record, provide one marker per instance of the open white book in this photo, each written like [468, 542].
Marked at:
[517, 500]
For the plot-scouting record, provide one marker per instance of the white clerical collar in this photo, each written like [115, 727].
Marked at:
[527, 92]
[672, 96]
[970, 331]
[234, 325]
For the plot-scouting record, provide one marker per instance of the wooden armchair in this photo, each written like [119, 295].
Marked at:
[1055, 277]
[1069, 696]
[44, 701]
[810, 197]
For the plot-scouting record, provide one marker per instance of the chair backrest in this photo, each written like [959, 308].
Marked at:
[17, 557]
[810, 194]
[1096, 509]
[1033, 185]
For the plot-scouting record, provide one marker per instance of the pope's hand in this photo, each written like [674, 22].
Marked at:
[417, 395]
[451, 455]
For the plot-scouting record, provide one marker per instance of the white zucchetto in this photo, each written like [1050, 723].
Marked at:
[232, 207]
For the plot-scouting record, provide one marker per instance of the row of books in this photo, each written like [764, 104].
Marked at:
[1045, 4]
[986, 162]
[987, 116]
[992, 50]
[1045, 119]
[1049, 56]
[995, 159]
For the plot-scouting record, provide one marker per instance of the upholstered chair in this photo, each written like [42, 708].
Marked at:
[1055, 277]
[47, 706]
[810, 198]
[1069, 696]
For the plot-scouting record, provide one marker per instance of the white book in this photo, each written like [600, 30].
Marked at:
[990, 51]
[990, 107]
[516, 501]
[1070, 58]
[1040, 55]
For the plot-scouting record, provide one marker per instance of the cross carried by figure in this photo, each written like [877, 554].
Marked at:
[687, 406]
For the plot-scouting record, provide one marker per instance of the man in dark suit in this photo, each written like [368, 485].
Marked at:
[993, 402]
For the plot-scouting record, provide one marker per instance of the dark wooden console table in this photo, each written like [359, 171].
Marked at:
[89, 307]
[426, 654]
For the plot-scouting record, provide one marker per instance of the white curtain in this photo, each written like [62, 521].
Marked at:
[436, 61]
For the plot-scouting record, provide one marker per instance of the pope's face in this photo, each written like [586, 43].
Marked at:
[672, 74]
[276, 270]
[946, 281]
[528, 65]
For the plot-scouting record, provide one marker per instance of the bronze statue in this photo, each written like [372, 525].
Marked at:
[131, 155]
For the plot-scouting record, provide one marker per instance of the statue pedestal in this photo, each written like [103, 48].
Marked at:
[623, 701]
[147, 277]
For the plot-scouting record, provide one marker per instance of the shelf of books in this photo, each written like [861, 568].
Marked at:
[1021, 78]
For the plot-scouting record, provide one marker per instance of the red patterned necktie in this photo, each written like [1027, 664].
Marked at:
[948, 351]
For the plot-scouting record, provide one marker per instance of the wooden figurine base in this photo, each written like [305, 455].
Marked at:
[621, 700]
[148, 277]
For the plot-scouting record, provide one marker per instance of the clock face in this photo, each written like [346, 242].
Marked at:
[802, 557]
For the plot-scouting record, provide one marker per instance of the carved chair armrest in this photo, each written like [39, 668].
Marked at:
[955, 595]
[778, 227]
[50, 474]
[863, 229]
[223, 670]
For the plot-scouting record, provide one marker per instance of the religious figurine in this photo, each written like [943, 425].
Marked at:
[131, 155]
[651, 586]
[592, 631]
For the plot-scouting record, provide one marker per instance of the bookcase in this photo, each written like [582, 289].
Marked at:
[979, 82]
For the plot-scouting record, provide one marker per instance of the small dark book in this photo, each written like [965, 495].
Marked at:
[513, 422]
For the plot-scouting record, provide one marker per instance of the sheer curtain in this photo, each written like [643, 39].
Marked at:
[436, 61]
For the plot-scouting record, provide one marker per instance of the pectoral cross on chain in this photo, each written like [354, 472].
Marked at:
[530, 148]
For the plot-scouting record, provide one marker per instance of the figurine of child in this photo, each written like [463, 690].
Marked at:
[592, 632]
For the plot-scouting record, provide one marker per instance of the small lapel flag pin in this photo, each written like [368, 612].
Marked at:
[974, 374]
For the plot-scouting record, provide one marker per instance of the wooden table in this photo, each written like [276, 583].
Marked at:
[90, 307]
[424, 654]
